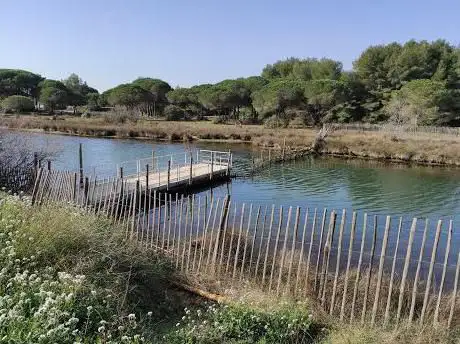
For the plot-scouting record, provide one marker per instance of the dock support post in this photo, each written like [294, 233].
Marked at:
[120, 172]
[228, 162]
[191, 170]
[147, 178]
[80, 159]
[49, 165]
[212, 165]
[169, 174]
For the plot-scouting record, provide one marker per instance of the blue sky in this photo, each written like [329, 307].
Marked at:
[108, 42]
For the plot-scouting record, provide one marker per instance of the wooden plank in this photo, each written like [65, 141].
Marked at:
[211, 236]
[380, 273]
[310, 248]
[337, 264]
[220, 235]
[231, 240]
[206, 228]
[176, 249]
[417, 273]
[430, 272]
[350, 253]
[443, 277]
[369, 274]
[259, 251]
[393, 267]
[294, 239]
[235, 262]
[454, 293]
[253, 242]
[197, 235]
[280, 223]
[318, 257]
[327, 255]
[302, 247]
[267, 248]
[227, 209]
[358, 270]
[248, 228]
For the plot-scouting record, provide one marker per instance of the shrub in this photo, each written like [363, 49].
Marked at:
[18, 104]
[275, 122]
[296, 123]
[174, 113]
[240, 324]
[68, 276]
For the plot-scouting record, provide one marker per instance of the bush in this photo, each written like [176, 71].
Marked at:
[68, 276]
[18, 104]
[120, 116]
[240, 324]
[275, 122]
[174, 113]
[297, 122]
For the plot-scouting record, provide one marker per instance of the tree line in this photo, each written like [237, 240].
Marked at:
[415, 83]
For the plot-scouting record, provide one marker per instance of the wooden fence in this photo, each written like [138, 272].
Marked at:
[359, 267]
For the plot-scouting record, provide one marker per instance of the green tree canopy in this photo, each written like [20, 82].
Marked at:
[18, 104]
[19, 82]
[303, 69]
[53, 94]
[278, 96]
[129, 96]
[424, 102]
[157, 89]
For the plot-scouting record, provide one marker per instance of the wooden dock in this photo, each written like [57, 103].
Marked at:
[169, 173]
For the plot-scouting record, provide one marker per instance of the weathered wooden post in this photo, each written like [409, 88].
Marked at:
[269, 156]
[284, 149]
[169, 174]
[147, 178]
[228, 162]
[212, 165]
[191, 170]
[36, 162]
[153, 160]
[80, 159]
[49, 165]
[86, 187]
[74, 187]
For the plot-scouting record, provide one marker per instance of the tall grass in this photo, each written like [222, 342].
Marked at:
[426, 148]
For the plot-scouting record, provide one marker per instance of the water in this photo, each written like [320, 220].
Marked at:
[364, 186]
[374, 187]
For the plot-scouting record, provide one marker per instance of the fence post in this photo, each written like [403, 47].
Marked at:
[212, 165]
[380, 275]
[337, 264]
[169, 174]
[441, 286]
[147, 178]
[191, 170]
[36, 162]
[454, 293]
[153, 160]
[358, 271]
[86, 187]
[49, 165]
[228, 163]
[80, 159]
[37, 185]
[350, 253]
[369, 274]
[430, 272]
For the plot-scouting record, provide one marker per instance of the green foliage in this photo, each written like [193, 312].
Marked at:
[78, 90]
[17, 104]
[93, 100]
[278, 96]
[19, 82]
[241, 324]
[53, 94]
[174, 113]
[275, 121]
[128, 95]
[307, 69]
[55, 284]
[424, 102]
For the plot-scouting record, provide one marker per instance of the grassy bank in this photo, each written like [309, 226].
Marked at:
[422, 148]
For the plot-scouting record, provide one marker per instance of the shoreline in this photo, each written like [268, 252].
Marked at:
[426, 149]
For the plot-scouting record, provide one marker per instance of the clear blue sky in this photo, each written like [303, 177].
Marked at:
[108, 42]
